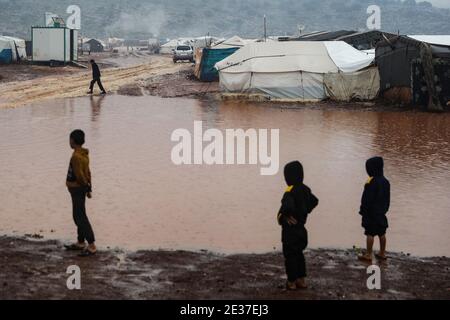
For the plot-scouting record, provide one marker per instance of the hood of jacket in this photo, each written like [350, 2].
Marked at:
[374, 167]
[293, 173]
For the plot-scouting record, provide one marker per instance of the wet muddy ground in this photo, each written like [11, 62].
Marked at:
[34, 269]
[173, 85]
[180, 84]
[65, 82]
[27, 71]
[23, 72]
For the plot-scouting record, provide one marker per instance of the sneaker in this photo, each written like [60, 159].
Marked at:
[291, 286]
[365, 257]
[301, 283]
[75, 247]
[89, 92]
[381, 257]
[103, 93]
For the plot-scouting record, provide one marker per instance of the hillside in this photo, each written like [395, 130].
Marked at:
[174, 18]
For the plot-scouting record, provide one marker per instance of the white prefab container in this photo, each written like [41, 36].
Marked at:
[54, 43]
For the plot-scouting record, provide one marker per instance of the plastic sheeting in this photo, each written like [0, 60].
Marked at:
[6, 52]
[310, 56]
[20, 47]
[172, 45]
[235, 82]
[12, 49]
[288, 85]
[209, 57]
[233, 42]
[361, 85]
[347, 58]
[296, 70]
[277, 57]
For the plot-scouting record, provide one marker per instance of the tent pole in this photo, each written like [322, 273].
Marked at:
[265, 28]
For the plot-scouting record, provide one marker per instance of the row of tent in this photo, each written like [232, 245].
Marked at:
[205, 70]
[196, 43]
[206, 58]
[409, 69]
[12, 49]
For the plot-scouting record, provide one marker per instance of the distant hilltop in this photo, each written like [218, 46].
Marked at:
[143, 19]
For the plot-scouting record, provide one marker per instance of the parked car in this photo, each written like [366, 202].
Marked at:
[183, 53]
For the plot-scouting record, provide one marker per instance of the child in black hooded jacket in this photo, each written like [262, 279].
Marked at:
[375, 204]
[298, 201]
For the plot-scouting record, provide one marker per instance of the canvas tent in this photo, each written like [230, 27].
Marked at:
[233, 42]
[115, 42]
[324, 35]
[299, 70]
[12, 49]
[170, 46]
[415, 70]
[202, 42]
[365, 40]
[206, 58]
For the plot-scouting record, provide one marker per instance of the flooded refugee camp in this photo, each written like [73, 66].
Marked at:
[241, 150]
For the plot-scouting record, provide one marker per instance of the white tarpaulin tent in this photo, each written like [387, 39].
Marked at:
[202, 42]
[347, 58]
[21, 48]
[359, 85]
[7, 50]
[172, 45]
[290, 70]
[233, 42]
[12, 49]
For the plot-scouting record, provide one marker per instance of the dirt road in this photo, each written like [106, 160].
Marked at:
[18, 93]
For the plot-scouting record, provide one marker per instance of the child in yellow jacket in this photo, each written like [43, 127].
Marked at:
[79, 185]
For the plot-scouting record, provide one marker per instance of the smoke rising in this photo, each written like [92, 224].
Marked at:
[145, 21]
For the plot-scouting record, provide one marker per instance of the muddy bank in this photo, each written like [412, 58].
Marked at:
[65, 82]
[28, 71]
[140, 74]
[178, 84]
[106, 60]
[34, 269]
[183, 83]
[23, 72]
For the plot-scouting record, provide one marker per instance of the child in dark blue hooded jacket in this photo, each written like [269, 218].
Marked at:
[297, 203]
[375, 204]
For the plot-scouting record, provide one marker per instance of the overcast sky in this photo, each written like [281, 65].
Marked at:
[439, 3]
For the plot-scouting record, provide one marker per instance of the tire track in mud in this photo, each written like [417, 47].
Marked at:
[21, 93]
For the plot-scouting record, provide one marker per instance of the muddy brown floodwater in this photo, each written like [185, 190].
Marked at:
[143, 201]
